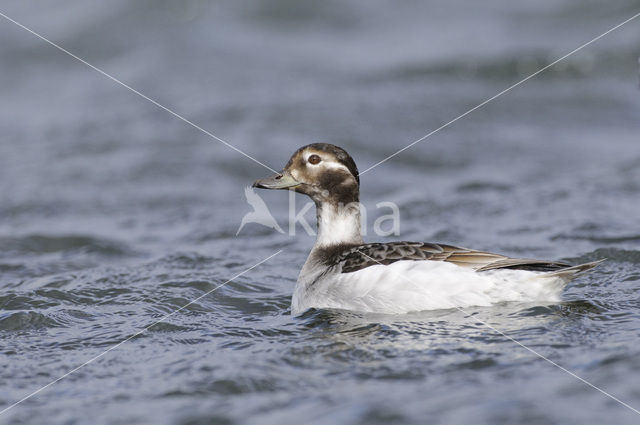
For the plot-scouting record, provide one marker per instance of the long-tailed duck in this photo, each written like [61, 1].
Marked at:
[397, 277]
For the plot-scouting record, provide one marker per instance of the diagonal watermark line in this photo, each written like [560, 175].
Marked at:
[531, 350]
[114, 79]
[480, 105]
[143, 330]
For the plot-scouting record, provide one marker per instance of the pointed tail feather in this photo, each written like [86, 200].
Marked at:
[571, 272]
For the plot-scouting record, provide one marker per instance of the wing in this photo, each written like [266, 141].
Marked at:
[354, 258]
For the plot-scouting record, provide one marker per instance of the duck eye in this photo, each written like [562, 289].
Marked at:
[314, 159]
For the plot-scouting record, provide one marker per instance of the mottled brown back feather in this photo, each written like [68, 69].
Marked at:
[357, 257]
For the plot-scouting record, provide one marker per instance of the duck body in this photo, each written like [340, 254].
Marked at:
[371, 278]
[343, 272]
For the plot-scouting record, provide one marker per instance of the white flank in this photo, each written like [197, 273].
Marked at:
[406, 286]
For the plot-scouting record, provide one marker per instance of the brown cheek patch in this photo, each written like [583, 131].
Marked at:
[341, 186]
[332, 180]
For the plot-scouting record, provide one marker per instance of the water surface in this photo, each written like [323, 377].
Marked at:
[114, 213]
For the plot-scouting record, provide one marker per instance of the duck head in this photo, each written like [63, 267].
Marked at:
[329, 176]
[324, 172]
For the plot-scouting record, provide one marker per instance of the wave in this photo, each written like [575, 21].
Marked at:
[36, 244]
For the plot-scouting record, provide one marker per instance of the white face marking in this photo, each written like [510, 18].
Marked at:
[336, 166]
[324, 162]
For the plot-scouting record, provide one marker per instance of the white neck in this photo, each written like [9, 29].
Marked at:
[338, 224]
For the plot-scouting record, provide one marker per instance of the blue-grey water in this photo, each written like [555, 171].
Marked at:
[114, 213]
